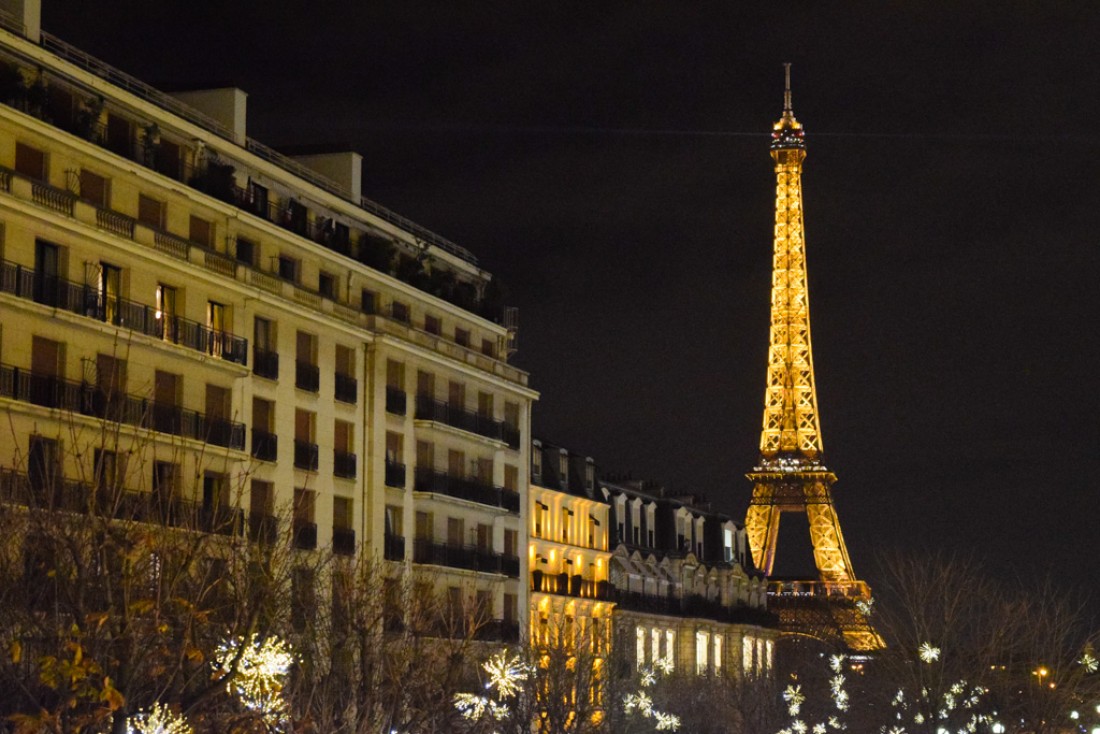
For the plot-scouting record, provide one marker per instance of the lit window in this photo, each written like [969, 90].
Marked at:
[718, 654]
[640, 651]
[670, 649]
[769, 658]
[746, 655]
[655, 644]
[702, 645]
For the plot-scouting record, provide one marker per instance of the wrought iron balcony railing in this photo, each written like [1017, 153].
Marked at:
[429, 480]
[395, 475]
[263, 528]
[307, 376]
[84, 398]
[394, 547]
[347, 388]
[457, 556]
[88, 301]
[305, 535]
[343, 541]
[430, 409]
[565, 584]
[265, 363]
[344, 464]
[306, 455]
[265, 446]
[395, 401]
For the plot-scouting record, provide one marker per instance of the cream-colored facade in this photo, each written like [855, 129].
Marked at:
[567, 552]
[266, 341]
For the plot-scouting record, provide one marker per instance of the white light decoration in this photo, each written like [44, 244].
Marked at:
[794, 698]
[158, 720]
[928, 653]
[262, 667]
[505, 674]
[1091, 665]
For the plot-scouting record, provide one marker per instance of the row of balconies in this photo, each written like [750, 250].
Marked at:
[307, 375]
[84, 398]
[46, 490]
[86, 300]
[454, 556]
[428, 408]
[565, 584]
[473, 490]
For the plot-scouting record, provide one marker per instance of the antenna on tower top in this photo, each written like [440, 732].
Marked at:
[787, 90]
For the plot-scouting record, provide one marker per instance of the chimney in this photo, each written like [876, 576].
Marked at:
[27, 13]
[228, 106]
[344, 169]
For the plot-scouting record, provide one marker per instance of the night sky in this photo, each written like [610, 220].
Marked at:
[609, 163]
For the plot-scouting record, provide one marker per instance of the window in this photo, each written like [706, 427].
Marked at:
[246, 251]
[395, 451]
[345, 360]
[455, 529]
[462, 337]
[265, 356]
[344, 451]
[120, 135]
[395, 375]
[511, 542]
[639, 648]
[47, 368]
[368, 301]
[425, 455]
[94, 189]
[456, 463]
[167, 387]
[217, 320]
[110, 378]
[305, 443]
[511, 478]
[395, 524]
[456, 395]
[342, 513]
[702, 647]
[201, 231]
[432, 324]
[288, 268]
[305, 501]
[511, 608]
[727, 545]
[303, 600]
[670, 648]
[654, 644]
[261, 499]
[218, 413]
[425, 384]
[511, 415]
[150, 211]
[488, 348]
[307, 376]
[346, 384]
[215, 491]
[484, 537]
[257, 199]
[566, 521]
[717, 654]
[424, 529]
[168, 312]
[43, 465]
[326, 285]
[109, 291]
[47, 272]
[536, 462]
[400, 312]
[31, 162]
[485, 471]
[485, 405]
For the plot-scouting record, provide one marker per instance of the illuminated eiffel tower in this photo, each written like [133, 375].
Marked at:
[791, 476]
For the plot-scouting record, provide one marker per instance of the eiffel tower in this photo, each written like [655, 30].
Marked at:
[791, 475]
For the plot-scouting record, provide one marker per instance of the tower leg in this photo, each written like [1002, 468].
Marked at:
[762, 528]
[830, 554]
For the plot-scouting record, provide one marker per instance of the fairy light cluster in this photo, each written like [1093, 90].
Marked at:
[642, 702]
[505, 676]
[158, 720]
[262, 669]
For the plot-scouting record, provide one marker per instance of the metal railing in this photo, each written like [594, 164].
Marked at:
[306, 455]
[394, 547]
[457, 556]
[395, 401]
[87, 300]
[343, 541]
[429, 480]
[265, 446]
[565, 584]
[305, 534]
[344, 464]
[307, 376]
[265, 363]
[395, 475]
[430, 409]
[85, 398]
[347, 388]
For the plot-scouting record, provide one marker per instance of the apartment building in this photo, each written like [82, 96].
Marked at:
[276, 351]
[644, 576]
[685, 590]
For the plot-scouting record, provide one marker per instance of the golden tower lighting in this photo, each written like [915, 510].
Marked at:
[790, 476]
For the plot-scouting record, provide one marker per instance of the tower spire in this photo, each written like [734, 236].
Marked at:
[787, 92]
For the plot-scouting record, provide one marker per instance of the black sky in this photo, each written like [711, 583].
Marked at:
[609, 163]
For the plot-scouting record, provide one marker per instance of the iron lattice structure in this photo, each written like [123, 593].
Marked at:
[791, 476]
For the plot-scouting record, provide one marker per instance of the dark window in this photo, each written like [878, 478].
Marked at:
[367, 304]
[150, 211]
[432, 324]
[288, 268]
[31, 162]
[94, 189]
[246, 251]
[326, 285]
[462, 337]
[201, 231]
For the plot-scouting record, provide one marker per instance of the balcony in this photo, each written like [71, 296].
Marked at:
[510, 436]
[305, 455]
[347, 388]
[265, 446]
[84, 398]
[344, 464]
[457, 417]
[395, 401]
[54, 492]
[87, 301]
[343, 541]
[305, 535]
[456, 556]
[395, 475]
[428, 480]
[265, 364]
[394, 549]
[689, 606]
[307, 376]
[263, 528]
[563, 584]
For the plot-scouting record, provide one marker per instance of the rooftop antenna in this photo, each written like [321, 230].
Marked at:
[787, 90]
